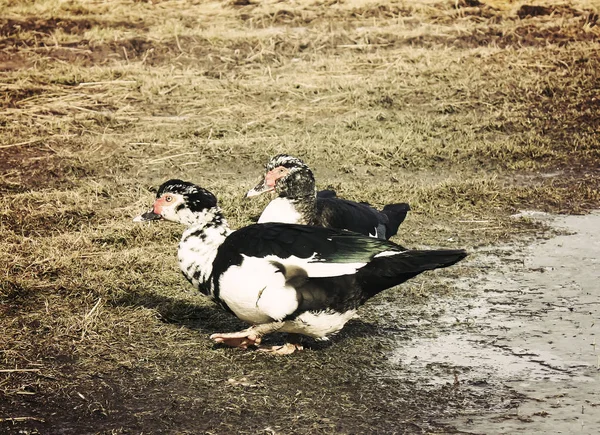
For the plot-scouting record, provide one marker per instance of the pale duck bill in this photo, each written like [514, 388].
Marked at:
[260, 188]
[148, 216]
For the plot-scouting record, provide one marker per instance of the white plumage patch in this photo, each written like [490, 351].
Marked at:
[318, 324]
[316, 268]
[196, 254]
[280, 210]
[257, 292]
[387, 254]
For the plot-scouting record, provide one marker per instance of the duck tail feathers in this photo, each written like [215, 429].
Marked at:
[396, 213]
[388, 271]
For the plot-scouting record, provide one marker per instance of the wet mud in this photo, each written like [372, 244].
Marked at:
[523, 336]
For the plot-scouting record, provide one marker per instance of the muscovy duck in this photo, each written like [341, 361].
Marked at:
[299, 202]
[283, 277]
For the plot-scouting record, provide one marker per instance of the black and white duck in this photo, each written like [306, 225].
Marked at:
[299, 202]
[283, 277]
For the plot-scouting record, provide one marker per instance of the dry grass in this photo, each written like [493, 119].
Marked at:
[468, 111]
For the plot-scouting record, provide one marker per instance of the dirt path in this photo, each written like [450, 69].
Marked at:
[530, 327]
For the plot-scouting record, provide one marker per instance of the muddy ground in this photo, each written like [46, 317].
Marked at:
[524, 336]
[512, 349]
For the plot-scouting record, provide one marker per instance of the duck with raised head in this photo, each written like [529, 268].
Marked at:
[299, 202]
[283, 277]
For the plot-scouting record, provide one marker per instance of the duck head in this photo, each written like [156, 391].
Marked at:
[179, 201]
[287, 176]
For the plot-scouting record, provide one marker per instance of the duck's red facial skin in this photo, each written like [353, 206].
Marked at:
[274, 175]
[163, 201]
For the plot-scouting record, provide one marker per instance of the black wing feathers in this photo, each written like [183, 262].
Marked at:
[339, 293]
[287, 240]
[350, 215]
[361, 217]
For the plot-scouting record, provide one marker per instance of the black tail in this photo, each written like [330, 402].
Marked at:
[396, 214]
[385, 272]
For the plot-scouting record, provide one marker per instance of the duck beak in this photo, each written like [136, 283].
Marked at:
[260, 188]
[148, 216]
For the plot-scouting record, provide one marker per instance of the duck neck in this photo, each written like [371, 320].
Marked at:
[306, 206]
[206, 231]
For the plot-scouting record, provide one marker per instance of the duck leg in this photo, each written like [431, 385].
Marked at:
[293, 343]
[285, 349]
[251, 336]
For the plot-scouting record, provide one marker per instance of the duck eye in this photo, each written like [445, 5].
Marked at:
[168, 198]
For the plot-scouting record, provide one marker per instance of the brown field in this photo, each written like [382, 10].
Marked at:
[468, 110]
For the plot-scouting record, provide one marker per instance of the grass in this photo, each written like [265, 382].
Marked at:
[468, 111]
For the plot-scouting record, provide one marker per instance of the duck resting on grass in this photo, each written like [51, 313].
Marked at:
[283, 277]
[298, 202]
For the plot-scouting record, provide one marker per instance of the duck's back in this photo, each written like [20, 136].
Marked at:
[352, 216]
